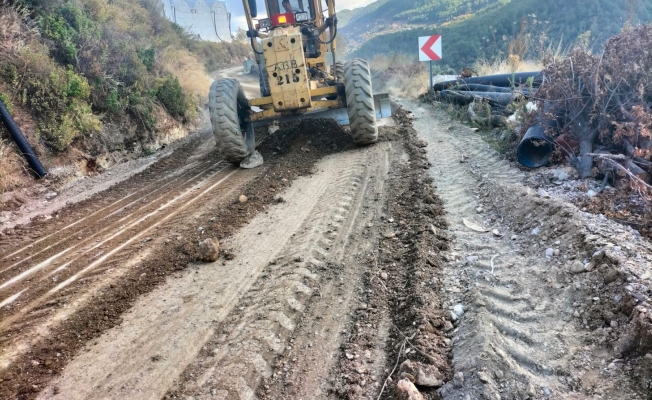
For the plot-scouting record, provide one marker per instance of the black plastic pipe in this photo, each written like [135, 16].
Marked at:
[22, 144]
[536, 147]
[502, 80]
[476, 87]
[464, 98]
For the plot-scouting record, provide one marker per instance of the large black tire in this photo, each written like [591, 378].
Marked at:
[360, 102]
[228, 107]
[337, 70]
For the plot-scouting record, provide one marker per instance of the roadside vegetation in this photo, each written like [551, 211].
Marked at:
[74, 64]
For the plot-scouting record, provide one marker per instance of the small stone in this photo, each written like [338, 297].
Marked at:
[458, 309]
[405, 390]
[272, 129]
[454, 316]
[499, 374]
[243, 199]
[546, 391]
[514, 237]
[577, 267]
[458, 379]
[496, 233]
[543, 193]
[349, 356]
[383, 276]
[209, 250]
[484, 377]
[591, 193]
[614, 324]
[550, 253]
[535, 231]
[447, 326]
[429, 377]
[560, 175]
[556, 253]
[479, 210]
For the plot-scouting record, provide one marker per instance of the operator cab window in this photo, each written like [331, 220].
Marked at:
[276, 7]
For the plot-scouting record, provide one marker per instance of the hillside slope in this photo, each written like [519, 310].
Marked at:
[101, 75]
[486, 33]
[385, 16]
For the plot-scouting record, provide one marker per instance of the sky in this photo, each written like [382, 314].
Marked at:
[238, 20]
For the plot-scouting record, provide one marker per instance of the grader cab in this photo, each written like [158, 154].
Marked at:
[292, 46]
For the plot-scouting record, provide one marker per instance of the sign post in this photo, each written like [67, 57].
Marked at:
[430, 50]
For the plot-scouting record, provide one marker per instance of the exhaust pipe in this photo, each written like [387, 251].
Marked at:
[22, 144]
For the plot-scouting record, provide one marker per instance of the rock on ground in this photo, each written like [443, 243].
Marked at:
[405, 390]
[209, 250]
[253, 161]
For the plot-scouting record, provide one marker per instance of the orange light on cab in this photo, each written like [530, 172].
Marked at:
[283, 19]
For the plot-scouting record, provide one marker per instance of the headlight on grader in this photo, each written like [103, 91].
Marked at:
[265, 23]
[301, 17]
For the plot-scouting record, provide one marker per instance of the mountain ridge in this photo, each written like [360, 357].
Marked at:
[486, 33]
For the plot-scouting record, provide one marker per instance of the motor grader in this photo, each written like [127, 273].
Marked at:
[292, 45]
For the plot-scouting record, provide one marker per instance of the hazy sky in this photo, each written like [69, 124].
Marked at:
[238, 19]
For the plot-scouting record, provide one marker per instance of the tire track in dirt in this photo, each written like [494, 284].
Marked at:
[117, 206]
[97, 301]
[302, 278]
[83, 271]
[518, 336]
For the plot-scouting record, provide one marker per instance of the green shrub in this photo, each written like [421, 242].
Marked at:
[57, 97]
[171, 96]
[6, 100]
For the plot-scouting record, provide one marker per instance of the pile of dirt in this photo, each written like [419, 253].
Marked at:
[403, 282]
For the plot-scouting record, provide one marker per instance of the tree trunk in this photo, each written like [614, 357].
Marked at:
[637, 171]
[586, 163]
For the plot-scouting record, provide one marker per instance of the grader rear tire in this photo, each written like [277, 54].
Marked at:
[338, 70]
[360, 102]
[228, 107]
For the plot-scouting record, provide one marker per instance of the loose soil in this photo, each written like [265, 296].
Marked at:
[346, 273]
[549, 301]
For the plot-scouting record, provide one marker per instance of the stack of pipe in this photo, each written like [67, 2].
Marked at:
[536, 147]
[498, 90]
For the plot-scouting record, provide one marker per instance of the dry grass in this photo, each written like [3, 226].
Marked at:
[14, 34]
[513, 64]
[399, 77]
[190, 72]
[10, 169]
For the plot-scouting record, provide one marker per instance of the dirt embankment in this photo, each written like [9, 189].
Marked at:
[549, 301]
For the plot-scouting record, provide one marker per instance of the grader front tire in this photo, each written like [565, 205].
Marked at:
[360, 102]
[228, 105]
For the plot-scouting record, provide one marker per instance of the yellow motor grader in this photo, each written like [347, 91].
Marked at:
[292, 45]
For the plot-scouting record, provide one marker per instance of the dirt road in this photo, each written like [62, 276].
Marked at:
[538, 288]
[423, 258]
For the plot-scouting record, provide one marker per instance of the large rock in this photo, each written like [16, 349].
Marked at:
[405, 390]
[424, 375]
[209, 250]
[253, 161]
